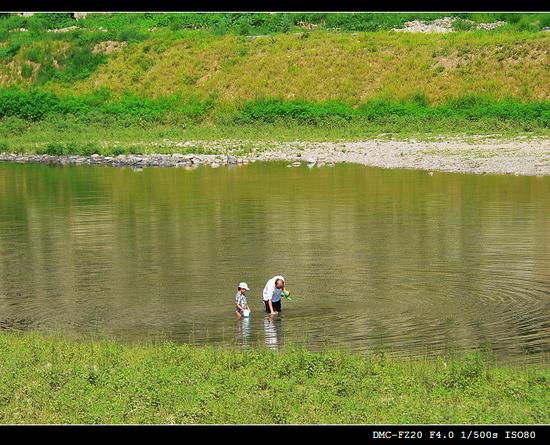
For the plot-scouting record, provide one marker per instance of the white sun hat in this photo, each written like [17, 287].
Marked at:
[243, 285]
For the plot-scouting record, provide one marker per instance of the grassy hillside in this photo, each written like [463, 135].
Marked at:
[316, 76]
[316, 66]
[45, 379]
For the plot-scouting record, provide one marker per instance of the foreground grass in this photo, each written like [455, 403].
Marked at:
[49, 379]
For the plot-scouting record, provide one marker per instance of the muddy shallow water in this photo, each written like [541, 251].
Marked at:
[398, 260]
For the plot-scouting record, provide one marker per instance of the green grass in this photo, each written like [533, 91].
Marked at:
[101, 107]
[37, 121]
[54, 379]
[314, 66]
[259, 23]
[82, 139]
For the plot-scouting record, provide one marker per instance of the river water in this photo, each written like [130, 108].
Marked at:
[394, 260]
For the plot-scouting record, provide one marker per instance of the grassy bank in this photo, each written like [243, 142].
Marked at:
[75, 138]
[43, 122]
[132, 80]
[48, 379]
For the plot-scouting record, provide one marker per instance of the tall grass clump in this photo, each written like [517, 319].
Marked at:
[9, 50]
[79, 63]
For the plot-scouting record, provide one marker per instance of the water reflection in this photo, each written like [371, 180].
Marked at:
[243, 332]
[272, 331]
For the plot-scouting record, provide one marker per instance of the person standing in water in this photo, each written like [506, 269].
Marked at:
[272, 294]
[240, 300]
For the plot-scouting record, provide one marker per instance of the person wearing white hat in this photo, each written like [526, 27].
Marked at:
[241, 305]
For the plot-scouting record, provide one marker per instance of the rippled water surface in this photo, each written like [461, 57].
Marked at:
[377, 259]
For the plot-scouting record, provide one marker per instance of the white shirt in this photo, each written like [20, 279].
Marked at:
[271, 292]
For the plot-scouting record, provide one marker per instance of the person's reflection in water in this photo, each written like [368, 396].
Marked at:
[243, 334]
[272, 331]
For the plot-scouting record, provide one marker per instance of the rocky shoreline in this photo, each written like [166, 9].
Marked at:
[519, 156]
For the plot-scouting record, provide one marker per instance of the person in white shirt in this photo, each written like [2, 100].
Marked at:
[272, 294]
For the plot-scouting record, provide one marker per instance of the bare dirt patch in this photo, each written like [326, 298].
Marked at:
[108, 47]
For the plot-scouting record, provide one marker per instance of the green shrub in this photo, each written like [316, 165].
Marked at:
[100, 108]
[70, 148]
[36, 54]
[131, 35]
[27, 70]
[527, 24]
[55, 149]
[41, 22]
[46, 72]
[116, 151]
[36, 104]
[135, 150]
[463, 25]
[10, 50]
[11, 125]
[31, 105]
[270, 111]
[464, 373]
[87, 149]
[80, 63]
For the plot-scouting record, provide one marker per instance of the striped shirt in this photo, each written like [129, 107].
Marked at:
[240, 299]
